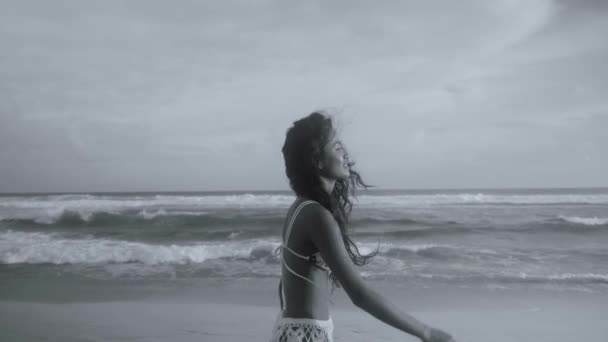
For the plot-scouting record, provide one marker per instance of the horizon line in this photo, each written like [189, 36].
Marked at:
[374, 188]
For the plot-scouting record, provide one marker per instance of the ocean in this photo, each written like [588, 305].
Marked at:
[551, 239]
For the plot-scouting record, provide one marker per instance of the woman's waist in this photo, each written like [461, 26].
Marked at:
[305, 317]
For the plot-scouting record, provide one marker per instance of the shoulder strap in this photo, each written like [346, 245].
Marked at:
[293, 218]
[286, 240]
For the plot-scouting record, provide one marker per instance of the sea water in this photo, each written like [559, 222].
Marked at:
[554, 239]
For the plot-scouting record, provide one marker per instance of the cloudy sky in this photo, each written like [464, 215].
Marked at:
[197, 95]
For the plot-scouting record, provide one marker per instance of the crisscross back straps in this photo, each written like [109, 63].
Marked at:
[285, 241]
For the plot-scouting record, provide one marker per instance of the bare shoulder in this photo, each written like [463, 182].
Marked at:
[320, 220]
[317, 213]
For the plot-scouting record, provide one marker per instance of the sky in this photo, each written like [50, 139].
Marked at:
[198, 95]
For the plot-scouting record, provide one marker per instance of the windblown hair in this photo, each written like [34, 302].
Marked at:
[302, 150]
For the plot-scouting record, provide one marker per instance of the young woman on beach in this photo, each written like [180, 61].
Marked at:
[316, 247]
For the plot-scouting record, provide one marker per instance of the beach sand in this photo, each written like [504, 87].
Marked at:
[246, 310]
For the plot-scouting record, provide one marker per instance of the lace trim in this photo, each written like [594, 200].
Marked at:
[301, 332]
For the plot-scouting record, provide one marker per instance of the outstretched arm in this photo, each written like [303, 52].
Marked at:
[325, 234]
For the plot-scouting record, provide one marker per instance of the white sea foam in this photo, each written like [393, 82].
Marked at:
[368, 247]
[152, 214]
[37, 205]
[587, 221]
[29, 247]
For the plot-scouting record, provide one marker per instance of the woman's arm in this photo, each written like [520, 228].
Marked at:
[325, 234]
[381, 308]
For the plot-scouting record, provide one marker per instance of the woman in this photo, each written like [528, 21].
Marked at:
[316, 247]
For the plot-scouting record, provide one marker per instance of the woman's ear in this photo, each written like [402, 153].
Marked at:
[319, 163]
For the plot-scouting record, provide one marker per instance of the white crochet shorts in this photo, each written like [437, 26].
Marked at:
[288, 329]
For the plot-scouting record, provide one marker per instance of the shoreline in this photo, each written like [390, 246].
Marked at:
[233, 311]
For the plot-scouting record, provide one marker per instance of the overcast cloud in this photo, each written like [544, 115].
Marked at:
[197, 95]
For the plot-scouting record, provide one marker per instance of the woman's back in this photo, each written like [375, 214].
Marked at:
[305, 280]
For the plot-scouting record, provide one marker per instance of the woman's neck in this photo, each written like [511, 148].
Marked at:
[328, 184]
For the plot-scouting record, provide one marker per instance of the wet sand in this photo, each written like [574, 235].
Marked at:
[245, 311]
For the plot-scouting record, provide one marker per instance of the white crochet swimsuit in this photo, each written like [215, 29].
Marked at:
[288, 329]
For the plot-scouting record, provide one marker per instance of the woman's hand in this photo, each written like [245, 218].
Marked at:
[436, 335]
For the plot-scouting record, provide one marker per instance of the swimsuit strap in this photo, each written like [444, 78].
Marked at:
[291, 221]
[319, 264]
[296, 253]
[311, 259]
[293, 218]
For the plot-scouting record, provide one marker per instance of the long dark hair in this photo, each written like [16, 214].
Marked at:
[302, 150]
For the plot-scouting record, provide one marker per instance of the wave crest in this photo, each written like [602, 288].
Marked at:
[37, 248]
[586, 221]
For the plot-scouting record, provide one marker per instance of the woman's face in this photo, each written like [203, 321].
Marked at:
[334, 164]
